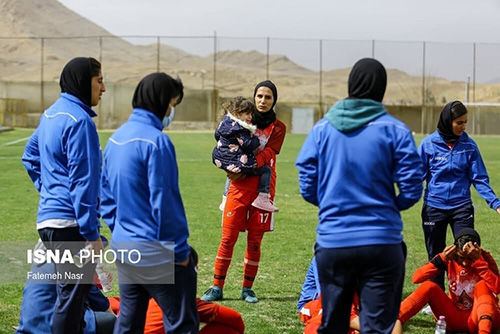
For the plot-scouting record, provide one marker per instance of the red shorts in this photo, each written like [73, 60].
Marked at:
[239, 214]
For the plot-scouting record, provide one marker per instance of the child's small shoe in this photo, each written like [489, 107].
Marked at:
[222, 204]
[263, 202]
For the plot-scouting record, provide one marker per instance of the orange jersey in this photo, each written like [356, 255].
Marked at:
[462, 280]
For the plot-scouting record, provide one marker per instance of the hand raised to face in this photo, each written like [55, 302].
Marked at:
[472, 251]
[449, 252]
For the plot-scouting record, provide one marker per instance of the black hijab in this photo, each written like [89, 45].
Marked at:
[76, 79]
[367, 80]
[264, 119]
[155, 91]
[468, 234]
[450, 112]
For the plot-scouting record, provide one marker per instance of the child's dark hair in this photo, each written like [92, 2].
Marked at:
[237, 106]
[465, 235]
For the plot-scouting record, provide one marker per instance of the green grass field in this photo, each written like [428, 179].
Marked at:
[286, 252]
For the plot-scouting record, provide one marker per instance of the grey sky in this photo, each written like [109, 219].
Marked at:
[415, 20]
[447, 21]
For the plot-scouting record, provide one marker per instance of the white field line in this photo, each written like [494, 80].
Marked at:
[15, 141]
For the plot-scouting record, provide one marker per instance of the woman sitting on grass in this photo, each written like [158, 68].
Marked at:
[474, 284]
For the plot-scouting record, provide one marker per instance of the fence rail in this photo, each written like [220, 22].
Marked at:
[312, 71]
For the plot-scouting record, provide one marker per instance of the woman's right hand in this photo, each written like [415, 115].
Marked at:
[235, 176]
[449, 251]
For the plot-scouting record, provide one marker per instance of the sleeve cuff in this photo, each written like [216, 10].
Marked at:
[182, 256]
[438, 262]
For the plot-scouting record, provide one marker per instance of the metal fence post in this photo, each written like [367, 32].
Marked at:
[423, 118]
[100, 49]
[99, 125]
[214, 102]
[320, 78]
[267, 58]
[42, 93]
[474, 72]
[157, 53]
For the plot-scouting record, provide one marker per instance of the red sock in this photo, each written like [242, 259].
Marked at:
[224, 255]
[252, 257]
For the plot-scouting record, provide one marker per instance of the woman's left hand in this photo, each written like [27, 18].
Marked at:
[498, 210]
[472, 250]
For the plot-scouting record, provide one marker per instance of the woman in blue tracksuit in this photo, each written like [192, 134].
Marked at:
[348, 166]
[452, 163]
[142, 205]
[63, 159]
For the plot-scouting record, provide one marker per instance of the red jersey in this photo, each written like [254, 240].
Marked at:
[462, 280]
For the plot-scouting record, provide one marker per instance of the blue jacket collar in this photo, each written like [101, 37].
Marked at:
[76, 100]
[436, 138]
[146, 117]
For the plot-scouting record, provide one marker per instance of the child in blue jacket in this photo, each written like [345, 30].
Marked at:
[452, 163]
[235, 148]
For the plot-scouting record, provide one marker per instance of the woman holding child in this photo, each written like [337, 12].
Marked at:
[239, 213]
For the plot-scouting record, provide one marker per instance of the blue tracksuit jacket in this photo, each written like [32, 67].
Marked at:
[63, 159]
[350, 176]
[311, 288]
[140, 197]
[449, 173]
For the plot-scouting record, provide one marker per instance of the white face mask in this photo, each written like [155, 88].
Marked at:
[167, 120]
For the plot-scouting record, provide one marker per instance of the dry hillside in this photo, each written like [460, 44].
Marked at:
[237, 71]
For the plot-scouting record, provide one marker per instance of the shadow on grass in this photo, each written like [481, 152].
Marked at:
[281, 299]
[275, 299]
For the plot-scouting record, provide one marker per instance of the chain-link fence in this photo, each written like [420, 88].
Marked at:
[307, 71]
